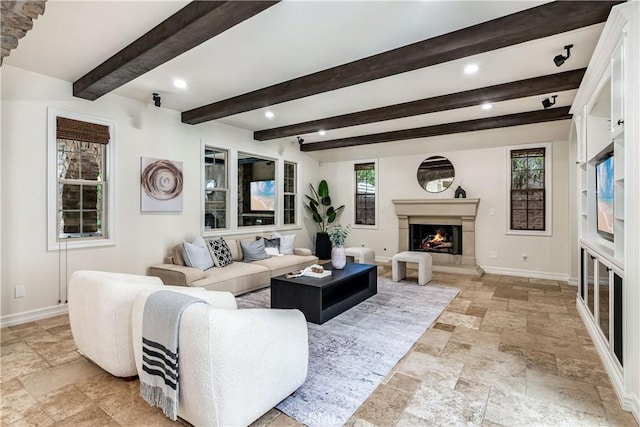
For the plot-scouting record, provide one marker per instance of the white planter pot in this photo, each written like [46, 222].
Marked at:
[338, 257]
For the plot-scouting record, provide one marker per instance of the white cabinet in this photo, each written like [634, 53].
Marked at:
[606, 111]
[617, 88]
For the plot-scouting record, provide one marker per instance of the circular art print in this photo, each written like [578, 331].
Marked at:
[161, 182]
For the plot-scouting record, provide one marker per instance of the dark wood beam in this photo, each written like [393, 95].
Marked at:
[561, 113]
[192, 25]
[503, 92]
[538, 22]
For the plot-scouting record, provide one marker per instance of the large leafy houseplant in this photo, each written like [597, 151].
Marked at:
[323, 214]
[320, 208]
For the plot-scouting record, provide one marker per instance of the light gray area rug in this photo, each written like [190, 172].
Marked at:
[352, 353]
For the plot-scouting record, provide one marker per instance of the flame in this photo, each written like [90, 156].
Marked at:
[438, 237]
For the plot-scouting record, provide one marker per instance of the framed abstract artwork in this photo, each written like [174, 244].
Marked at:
[161, 185]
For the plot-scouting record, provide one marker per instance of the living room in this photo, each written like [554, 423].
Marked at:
[35, 262]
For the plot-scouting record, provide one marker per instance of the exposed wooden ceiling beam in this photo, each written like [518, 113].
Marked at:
[192, 25]
[538, 22]
[514, 90]
[561, 113]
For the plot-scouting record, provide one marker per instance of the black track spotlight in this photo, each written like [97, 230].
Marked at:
[559, 59]
[546, 103]
[300, 140]
[156, 100]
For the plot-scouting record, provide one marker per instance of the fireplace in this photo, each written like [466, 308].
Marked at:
[454, 248]
[444, 239]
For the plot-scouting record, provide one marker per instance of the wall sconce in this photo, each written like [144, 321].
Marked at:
[559, 59]
[546, 103]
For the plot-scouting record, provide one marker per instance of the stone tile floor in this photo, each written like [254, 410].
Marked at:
[507, 351]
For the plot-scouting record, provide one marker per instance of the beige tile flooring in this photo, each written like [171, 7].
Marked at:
[507, 351]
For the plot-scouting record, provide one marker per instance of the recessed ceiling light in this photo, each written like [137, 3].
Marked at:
[471, 68]
[487, 106]
[322, 133]
[180, 84]
[269, 114]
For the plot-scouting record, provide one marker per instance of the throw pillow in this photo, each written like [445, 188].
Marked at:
[271, 246]
[220, 252]
[253, 250]
[196, 254]
[286, 242]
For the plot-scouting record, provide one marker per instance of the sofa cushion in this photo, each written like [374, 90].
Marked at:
[286, 264]
[176, 255]
[237, 278]
[220, 252]
[271, 246]
[236, 250]
[253, 250]
[287, 242]
[196, 254]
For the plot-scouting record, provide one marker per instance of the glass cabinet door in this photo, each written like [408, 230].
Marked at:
[603, 299]
[590, 284]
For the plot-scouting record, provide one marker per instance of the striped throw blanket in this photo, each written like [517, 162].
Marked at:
[159, 381]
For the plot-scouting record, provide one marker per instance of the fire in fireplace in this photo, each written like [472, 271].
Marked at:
[436, 238]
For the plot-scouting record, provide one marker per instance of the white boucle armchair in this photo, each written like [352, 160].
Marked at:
[235, 365]
[100, 305]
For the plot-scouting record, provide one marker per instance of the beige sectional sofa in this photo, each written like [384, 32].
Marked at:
[238, 277]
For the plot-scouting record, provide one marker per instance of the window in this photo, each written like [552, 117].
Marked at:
[365, 193]
[256, 190]
[79, 180]
[289, 193]
[529, 189]
[215, 188]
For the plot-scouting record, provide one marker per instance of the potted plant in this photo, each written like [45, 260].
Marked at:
[338, 234]
[323, 213]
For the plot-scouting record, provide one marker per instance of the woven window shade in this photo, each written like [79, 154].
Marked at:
[76, 130]
[363, 166]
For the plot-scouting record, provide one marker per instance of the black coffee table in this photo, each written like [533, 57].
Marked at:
[321, 299]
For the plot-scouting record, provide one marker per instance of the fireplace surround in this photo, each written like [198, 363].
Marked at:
[458, 212]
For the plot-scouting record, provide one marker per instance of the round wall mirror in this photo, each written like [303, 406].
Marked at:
[435, 174]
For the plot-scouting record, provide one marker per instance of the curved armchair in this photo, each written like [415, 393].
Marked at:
[235, 365]
[100, 305]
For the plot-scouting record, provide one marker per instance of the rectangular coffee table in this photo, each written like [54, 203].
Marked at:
[324, 298]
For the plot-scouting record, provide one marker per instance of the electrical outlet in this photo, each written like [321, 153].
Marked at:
[492, 211]
[493, 254]
[20, 291]
[524, 257]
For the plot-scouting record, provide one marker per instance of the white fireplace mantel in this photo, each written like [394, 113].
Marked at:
[441, 211]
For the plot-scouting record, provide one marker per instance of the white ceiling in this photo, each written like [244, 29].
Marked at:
[295, 38]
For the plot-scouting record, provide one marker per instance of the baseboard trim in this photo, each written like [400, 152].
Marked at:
[627, 401]
[634, 403]
[33, 315]
[525, 273]
[573, 281]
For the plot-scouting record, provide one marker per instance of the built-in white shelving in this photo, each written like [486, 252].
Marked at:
[609, 285]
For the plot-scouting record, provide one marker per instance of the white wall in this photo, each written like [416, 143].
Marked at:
[143, 239]
[140, 130]
[481, 169]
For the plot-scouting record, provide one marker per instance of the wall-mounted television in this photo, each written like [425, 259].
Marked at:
[604, 196]
[263, 196]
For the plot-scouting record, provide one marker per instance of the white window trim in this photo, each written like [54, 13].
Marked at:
[52, 185]
[548, 185]
[296, 184]
[278, 176]
[213, 231]
[353, 194]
